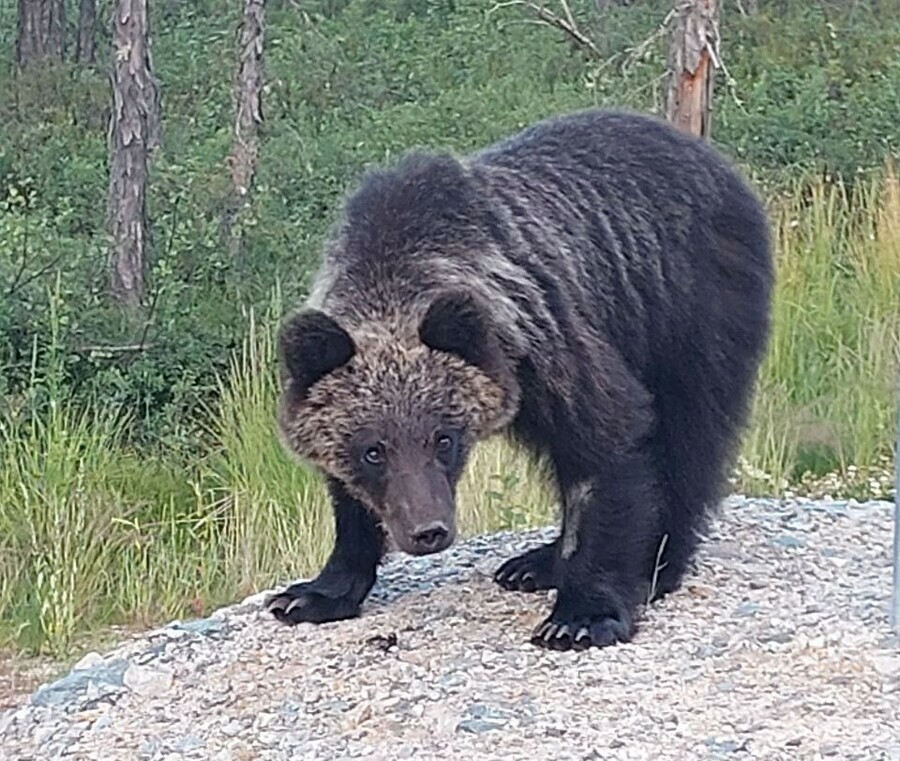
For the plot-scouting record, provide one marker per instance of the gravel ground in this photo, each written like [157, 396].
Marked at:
[778, 647]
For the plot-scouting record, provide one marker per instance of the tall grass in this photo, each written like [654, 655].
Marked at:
[827, 394]
[92, 532]
[57, 520]
[273, 515]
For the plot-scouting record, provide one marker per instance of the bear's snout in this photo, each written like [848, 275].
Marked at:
[431, 537]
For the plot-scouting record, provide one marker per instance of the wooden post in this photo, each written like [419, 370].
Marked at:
[693, 57]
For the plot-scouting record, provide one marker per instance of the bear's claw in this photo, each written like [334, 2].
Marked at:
[577, 623]
[556, 635]
[529, 572]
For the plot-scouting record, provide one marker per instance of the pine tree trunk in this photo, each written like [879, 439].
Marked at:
[87, 19]
[248, 86]
[693, 56]
[41, 32]
[133, 134]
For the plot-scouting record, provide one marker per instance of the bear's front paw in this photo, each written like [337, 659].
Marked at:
[578, 627]
[306, 603]
[529, 572]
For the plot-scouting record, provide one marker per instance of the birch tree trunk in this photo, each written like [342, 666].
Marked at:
[41, 31]
[248, 87]
[133, 134]
[87, 20]
[693, 57]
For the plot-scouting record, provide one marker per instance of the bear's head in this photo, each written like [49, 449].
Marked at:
[394, 420]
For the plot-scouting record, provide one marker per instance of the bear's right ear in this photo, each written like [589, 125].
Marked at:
[457, 323]
[311, 345]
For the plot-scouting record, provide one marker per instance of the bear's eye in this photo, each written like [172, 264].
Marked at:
[374, 455]
[445, 447]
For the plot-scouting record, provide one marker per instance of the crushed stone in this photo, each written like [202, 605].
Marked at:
[777, 647]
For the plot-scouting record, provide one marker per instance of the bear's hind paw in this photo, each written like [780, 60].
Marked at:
[604, 632]
[609, 623]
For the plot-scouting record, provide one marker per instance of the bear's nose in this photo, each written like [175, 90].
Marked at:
[432, 537]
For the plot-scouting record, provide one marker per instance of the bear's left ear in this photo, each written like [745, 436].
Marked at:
[457, 323]
[311, 345]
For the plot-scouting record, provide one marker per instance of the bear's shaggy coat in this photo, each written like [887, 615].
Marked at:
[598, 286]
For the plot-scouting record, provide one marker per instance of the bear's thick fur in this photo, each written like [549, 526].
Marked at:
[598, 286]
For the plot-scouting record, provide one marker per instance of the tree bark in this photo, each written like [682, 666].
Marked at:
[133, 134]
[41, 32]
[87, 19]
[248, 88]
[693, 57]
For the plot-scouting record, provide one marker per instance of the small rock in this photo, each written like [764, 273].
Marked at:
[88, 661]
[268, 738]
[488, 657]
[780, 638]
[289, 708]
[102, 723]
[186, 743]
[66, 690]
[217, 698]
[789, 542]
[232, 728]
[724, 746]
[724, 550]
[746, 609]
[204, 626]
[146, 681]
[43, 734]
[148, 747]
[886, 665]
[477, 726]
[453, 679]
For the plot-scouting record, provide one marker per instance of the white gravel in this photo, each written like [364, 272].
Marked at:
[778, 647]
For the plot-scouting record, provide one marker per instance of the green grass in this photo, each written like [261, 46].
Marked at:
[94, 532]
[827, 395]
[273, 516]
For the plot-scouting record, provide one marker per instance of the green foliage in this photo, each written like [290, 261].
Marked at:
[348, 84]
[274, 514]
[818, 85]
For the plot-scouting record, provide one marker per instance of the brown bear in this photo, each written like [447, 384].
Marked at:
[597, 287]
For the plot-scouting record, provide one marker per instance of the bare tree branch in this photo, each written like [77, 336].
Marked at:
[567, 25]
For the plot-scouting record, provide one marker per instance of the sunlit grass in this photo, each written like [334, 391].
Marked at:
[826, 400]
